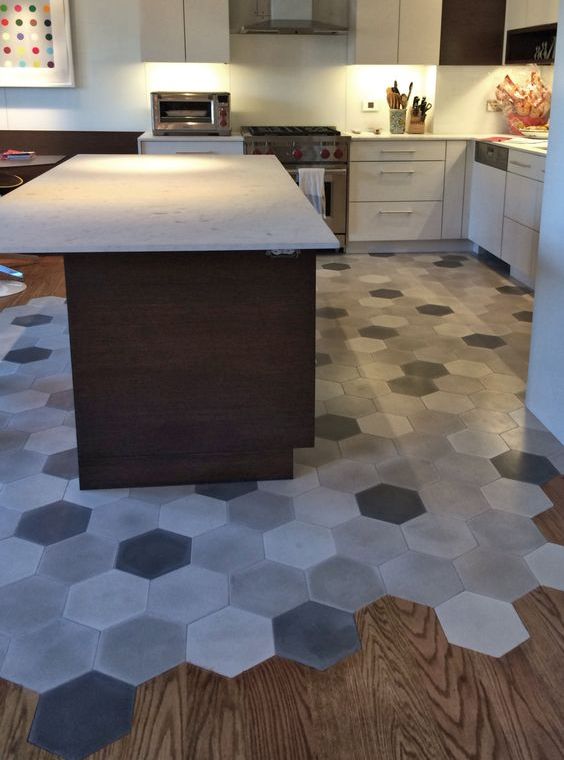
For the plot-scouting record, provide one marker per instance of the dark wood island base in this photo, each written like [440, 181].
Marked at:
[191, 367]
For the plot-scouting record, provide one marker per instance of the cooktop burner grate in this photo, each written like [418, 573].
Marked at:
[291, 131]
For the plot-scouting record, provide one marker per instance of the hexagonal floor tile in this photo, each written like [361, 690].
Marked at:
[524, 316]
[370, 449]
[513, 290]
[343, 583]
[62, 400]
[19, 464]
[408, 472]
[336, 267]
[193, 514]
[452, 403]
[329, 312]
[452, 497]
[506, 532]
[435, 310]
[335, 428]
[477, 340]
[226, 491]
[412, 386]
[27, 355]
[18, 559]
[37, 419]
[53, 523]
[390, 503]
[228, 548]
[547, 564]
[140, 649]
[466, 468]
[378, 332]
[32, 320]
[52, 441]
[82, 716]
[31, 492]
[488, 421]
[439, 535]
[322, 360]
[153, 554]
[188, 594]
[124, 518]
[386, 293]
[466, 368]
[305, 479]
[385, 425]
[315, 635]
[30, 604]
[530, 468]
[107, 599]
[45, 659]
[64, 464]
[347, 476]
[230, 641]
[496, 574]
[268, 588]
[478, 443]
[420, 578]
[515, 496]
[299, 544]
[78, 558]
[369, 541]
[480, 623]
[9, 519]
[429, 370]
[326, 507]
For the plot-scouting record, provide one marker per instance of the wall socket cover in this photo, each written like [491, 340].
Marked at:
[493, 105]
[369, 106]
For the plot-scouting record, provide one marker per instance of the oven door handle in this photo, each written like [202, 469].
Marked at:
[328, 171]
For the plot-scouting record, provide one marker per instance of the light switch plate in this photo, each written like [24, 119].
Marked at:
[369, 106]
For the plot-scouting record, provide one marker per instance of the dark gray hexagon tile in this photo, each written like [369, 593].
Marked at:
[268, 588]
[435, 310]
[513, 290]
[12, 439]
[506, 532]
[153, 554]
[413, 386]
[340, 582]
[329, 312]
[141, 648]
[228, 548]
[478, 340]
[336, 267]
[78, 558]
[430, 370]
[529, 468]
[378, 332]
[524, 316]
[335, 427]
[421, 578]
[315, 635]
[30, 604]
[54, 522]
[226, 491]
[62, 400]
[322, 360]
[64, 464]
[386, 293]
[389, 503]
[496, 574]
[82, 716]
[27, 355]
[32, 320]
[261, 510]
[51, 656]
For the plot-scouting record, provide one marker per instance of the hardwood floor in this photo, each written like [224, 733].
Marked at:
[407, 694]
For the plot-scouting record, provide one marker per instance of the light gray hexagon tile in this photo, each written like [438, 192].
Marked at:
[439, 535]
[32, 492]
[514, 496]
[188, 594]
[227, 549]
[22, 401]
[161, 494]
[230, 641]
[481, 623]
[18, 559]
[305, 479]
[141, 649]
[421, 578]
[9, 519]
[340, 582]
[326, 507]
[467, 468]
[78, 558]
[193, 514]
[4, 642]
[37, 419]
[93, 499]
[348, 476]
[261, 510]
[30, 604]
[477, 443]
[12, 439]
[54, 383]
[107, 599]
[15, 465]
[507, 532]
[496, 574]
[371, 541]
[408, 472]
[547, 564]
[268, 588]
[299, 544]
[124, 518]
[454, 498]
[51, 656]
[369, 449]
[53, 440]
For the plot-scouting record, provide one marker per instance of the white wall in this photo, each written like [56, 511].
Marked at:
[545, 394]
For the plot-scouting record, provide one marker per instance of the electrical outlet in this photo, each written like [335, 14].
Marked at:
[369, 106]
[493, 105]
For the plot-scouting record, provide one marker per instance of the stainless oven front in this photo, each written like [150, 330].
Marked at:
[196, 113]
[335, 196]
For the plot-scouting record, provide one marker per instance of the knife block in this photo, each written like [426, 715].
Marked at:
[416, 125]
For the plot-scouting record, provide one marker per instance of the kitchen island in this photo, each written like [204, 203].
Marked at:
[191, 300]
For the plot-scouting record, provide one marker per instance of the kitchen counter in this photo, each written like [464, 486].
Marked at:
[182, 320]
[514, 141]
[171, 203]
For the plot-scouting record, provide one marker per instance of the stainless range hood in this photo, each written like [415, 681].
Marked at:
[292, 17]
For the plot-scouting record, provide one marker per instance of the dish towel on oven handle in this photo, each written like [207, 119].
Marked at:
[312, 185]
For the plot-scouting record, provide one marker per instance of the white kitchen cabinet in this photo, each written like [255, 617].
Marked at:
[397, 181]
[398, 150]
[455, 179]
[395, 31]
[193, 31]
[516, 14]
[487, 204]
[522, 13]
[523, 200]
[149, 144]
[520, 250]
[395, 221]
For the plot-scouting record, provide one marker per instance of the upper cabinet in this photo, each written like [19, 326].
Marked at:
[472, 32]
[178, 31]
[395, 31]
[524, 13]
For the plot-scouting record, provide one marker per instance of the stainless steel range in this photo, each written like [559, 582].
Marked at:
[308, 147]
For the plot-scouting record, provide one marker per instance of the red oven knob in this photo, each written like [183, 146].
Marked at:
[257, 152]
[325, 153]
[222, 123]
[297, 154]
[338, 153]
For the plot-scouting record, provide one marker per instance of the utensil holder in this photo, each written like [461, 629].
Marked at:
[397, 121]
[416, 124]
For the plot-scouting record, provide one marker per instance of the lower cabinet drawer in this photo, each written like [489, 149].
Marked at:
[180, 147]
[397, 181]
[395, 221]
[520, 246]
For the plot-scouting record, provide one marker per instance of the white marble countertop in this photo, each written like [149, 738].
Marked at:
[149, 136]
[130, 203]
[509, 141]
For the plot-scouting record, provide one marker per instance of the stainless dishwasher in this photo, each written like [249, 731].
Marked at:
[487, 196]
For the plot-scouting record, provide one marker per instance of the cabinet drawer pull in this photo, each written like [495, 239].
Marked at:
[398, 151]
[518, 163]
[398, 171]
[395, 212]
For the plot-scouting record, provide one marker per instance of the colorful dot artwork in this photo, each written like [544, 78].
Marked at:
[31, 26]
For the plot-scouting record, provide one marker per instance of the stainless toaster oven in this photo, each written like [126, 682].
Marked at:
[191, 113]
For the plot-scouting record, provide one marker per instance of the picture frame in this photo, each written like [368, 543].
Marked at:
[35, 44]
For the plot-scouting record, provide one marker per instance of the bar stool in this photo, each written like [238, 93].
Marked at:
[11, 280]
